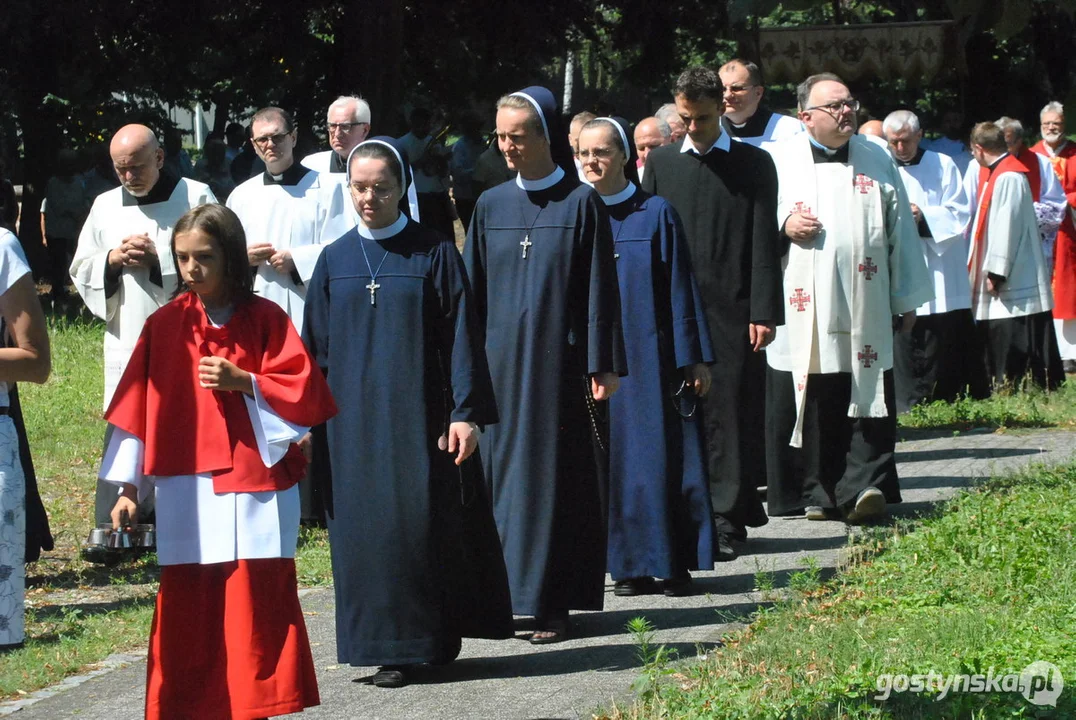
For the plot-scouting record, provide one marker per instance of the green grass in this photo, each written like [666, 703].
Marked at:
[989, 582]
[1026, 408]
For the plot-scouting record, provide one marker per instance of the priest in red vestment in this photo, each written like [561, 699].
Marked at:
[1057, 149]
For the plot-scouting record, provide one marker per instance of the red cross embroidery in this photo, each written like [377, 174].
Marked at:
[863, 183]
[868, 356]
[801, 208]
[868, 269]
[799, 300]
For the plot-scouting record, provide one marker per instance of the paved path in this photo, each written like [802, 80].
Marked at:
[512, 679]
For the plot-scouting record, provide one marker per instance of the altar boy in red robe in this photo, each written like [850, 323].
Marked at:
[210, 414]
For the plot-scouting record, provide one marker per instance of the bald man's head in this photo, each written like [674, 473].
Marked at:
[649, 134]
[872, 127]
[137, 158]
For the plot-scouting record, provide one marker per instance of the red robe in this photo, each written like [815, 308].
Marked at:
[228, 639]
[190, 430]
[1065, 249]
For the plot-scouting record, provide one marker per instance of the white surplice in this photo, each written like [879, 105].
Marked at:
[843, 287]
[777, 129]
[197, 525]
[125, 312]
[1013, 251]
[301, 218]
[935, 186]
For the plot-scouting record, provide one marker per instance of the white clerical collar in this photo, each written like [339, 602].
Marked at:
[1054, 153]
[722, 143]
[383, 233]
[622, 196]
[543, 183]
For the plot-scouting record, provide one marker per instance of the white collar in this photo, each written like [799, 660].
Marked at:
[622, 196]
[542, 184]
[1050, 152]
[383, 233]
[722, 143]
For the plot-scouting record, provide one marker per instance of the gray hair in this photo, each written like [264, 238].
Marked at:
[1052, 107]
[803, 90]
[665, 112]
[1008, 123]
[900, 119]
[362, 108]
[663, 128]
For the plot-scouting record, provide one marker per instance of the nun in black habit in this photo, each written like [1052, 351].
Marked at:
[416, 560]
[539, 254]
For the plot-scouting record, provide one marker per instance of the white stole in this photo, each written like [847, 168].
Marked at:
[850, 255]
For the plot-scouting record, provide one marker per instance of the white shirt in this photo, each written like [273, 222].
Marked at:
[722, 143]
[13, 266]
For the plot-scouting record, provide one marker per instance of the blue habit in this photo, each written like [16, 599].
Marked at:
[552, 318]
[660, 515]
[415, 555]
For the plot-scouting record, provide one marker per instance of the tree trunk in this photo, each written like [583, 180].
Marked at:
[569, 83]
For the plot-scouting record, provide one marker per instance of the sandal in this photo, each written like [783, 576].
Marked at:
[558, 628]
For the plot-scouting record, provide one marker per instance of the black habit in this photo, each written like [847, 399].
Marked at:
[728, 203]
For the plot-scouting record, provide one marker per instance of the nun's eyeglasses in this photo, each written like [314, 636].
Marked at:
[379, 191]
[596, 153]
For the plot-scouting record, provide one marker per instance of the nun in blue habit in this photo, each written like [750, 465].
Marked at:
[660, 514]
[539, 255]
[415, 555]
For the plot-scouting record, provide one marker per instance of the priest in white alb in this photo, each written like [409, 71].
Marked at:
[933, 362]
[123, 266]
[347, 123]
[853, 267]
[287, 212]
[1010, 283]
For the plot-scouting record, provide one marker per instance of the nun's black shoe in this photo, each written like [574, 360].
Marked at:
[631, 587]
[390, 676]
[678, 586]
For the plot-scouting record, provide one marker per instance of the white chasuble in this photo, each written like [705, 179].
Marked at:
[934, 185]
[126, 310]
[300, 218]
[843, 287]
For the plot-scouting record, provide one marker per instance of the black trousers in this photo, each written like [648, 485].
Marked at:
[60, 252]
[1019, 347]
[435, 211]
[840, 457]
[940, 359]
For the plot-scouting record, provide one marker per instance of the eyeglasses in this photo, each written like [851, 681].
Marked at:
[277, 139]
[835, 107]
[379, 191]
[1051, 123]
[343, 127]
[596, 153]
[737, 89]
